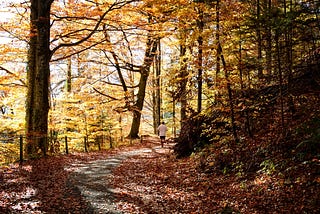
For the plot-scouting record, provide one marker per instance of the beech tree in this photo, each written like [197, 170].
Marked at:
[38, 69]
[38, 73]
[144, 74]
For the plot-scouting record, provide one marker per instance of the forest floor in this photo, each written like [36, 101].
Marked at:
[144, 178]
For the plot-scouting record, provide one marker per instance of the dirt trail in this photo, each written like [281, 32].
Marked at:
[93, 179]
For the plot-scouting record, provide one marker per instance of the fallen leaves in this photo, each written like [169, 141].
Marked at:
[160, 184]
[155, 182]
[40, 186]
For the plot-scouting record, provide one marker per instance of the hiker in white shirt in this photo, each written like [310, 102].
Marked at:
[162, 129]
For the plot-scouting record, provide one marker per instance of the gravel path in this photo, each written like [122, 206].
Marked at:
[93, 180]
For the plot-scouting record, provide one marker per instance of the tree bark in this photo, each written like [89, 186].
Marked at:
[144, 74]
[69, 75]
[183, 78]
[231, 102]
[278, 49]
[289, 58]
[268, 5]
[218, 65]
[38, 73]
[157, 89]
[258, 28]
[200, 25]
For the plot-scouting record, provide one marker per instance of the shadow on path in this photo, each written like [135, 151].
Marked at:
[93, 179]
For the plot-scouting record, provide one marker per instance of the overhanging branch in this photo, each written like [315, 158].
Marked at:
[103, 94]
[14, 75]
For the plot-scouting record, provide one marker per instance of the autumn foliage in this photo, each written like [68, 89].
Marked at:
[236, 82]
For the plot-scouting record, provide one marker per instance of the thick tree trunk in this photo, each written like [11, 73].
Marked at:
[145, 70]
[38, 73]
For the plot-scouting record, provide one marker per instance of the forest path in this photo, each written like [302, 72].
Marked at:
[93, 179]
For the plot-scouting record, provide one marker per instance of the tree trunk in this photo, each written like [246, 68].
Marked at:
[174, 117]
[289, 59]
[69, 75]
[144, 74]
[38, 73]
[258, 28]
[231, 102]
[158, 70]
[268, 5]
[278, 49]
[218, 66]
[183, 80]
[200, 25]
[157, 90]
[246, 111]
[154, 101]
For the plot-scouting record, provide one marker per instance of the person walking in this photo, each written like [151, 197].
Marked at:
[162, 129]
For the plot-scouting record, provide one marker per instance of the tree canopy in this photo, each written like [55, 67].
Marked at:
[236, 82]
[86, 64]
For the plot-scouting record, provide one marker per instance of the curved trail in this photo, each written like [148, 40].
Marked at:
[93, 179]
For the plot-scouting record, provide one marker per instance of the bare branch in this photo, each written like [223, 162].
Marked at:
[77, 52]
[103, 94]
[114, 6]
[14, 75]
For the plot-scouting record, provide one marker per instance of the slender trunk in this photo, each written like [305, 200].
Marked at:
[280, 78]
[174, 117]
[226, 74]
[269, 41]
[158, 87]
[156, 97]
[200, 24]
[260, 74]
[246, 111]
[69, 75]
[118, 68]
[184, 80]
[154, 100]
[289, 59]
[218, 66]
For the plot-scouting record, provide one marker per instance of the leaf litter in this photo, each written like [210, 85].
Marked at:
[151, 180]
